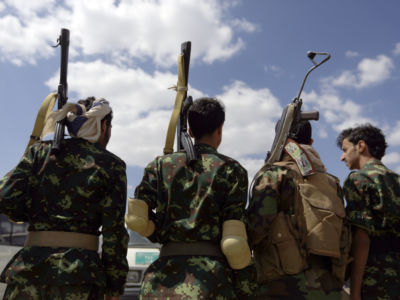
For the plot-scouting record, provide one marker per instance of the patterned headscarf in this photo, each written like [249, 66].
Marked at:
[80, 123]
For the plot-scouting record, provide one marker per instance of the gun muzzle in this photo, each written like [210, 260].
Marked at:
[309, 115]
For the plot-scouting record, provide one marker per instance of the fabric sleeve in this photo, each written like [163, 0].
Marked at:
[235, 180]
[14, 188]
[147, 189]
[264, 201]
[148, 192]
[359, 195]
[115, 236]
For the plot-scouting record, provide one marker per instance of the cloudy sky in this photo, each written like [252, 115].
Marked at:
[249, 54]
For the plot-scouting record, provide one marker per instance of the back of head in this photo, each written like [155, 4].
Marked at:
[205, 116]
[88, 103]
[372, 136]
[301, 132]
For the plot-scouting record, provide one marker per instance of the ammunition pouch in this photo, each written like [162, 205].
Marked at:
[279, 254]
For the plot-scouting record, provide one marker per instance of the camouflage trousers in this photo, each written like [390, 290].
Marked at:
[382, 277]
[188, 277]
[294, 287]
[67, 292]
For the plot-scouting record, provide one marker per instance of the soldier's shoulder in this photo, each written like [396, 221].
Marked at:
[230, 161]
[114, 158]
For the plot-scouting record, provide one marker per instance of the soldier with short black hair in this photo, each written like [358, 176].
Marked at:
[372, 193]
[196, 210]
[69, 199]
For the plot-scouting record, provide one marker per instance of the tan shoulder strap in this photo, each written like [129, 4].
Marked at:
[181, 91]
[44, 110]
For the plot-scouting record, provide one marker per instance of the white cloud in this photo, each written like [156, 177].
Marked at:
[2, 6]
[370, 72]
[322, 132]
[30, 8]
[351, 54]
[394, 135]
[244, 25]
[22, 44]
[138, 29]
[251, 115]
[396, 50]
[391, 158]
[340, 114]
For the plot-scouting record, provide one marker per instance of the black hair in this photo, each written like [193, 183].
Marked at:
[205, 116]
[372, 136]
[88, 103]
[301, 132]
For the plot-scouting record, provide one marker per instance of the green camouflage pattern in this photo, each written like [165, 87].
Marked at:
[246, 286]
[274, 189]
[33, 292]
[187, 278]
[190, 204]
[294, 287]
[80, 190]
[373, 204]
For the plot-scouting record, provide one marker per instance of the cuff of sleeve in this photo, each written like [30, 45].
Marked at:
[362, 225]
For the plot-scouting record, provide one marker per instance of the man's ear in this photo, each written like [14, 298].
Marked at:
[361, 146]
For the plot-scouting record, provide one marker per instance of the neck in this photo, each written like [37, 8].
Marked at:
[207, 141]
[364, 160]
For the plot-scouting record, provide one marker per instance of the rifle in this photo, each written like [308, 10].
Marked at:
[63, 42]
[182, 105]
[184, 142]
[292, 114]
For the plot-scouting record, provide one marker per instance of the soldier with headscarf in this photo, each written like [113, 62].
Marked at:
[69, 199]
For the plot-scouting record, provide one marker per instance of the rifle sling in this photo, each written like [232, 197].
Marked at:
[44, 111]
[181, 92]
[62, 239]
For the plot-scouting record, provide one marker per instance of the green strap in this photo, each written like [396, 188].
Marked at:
[44, 111]
[181, 91]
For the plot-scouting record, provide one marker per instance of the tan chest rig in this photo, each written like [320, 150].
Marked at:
[314, 229]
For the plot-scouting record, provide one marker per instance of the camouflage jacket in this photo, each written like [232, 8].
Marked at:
[373, 204]
[373, 199]
[81, 190]
[191, 203]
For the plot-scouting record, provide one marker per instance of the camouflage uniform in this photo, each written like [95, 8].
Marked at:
[191, 204]
[273, 187]
[373, 204]
[81, 190]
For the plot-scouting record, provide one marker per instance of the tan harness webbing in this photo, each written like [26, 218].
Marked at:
[181, 91]
[44, 111]
[195, 248]
[62, 239]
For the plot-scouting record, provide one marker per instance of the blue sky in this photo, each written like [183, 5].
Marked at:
[250, 54]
